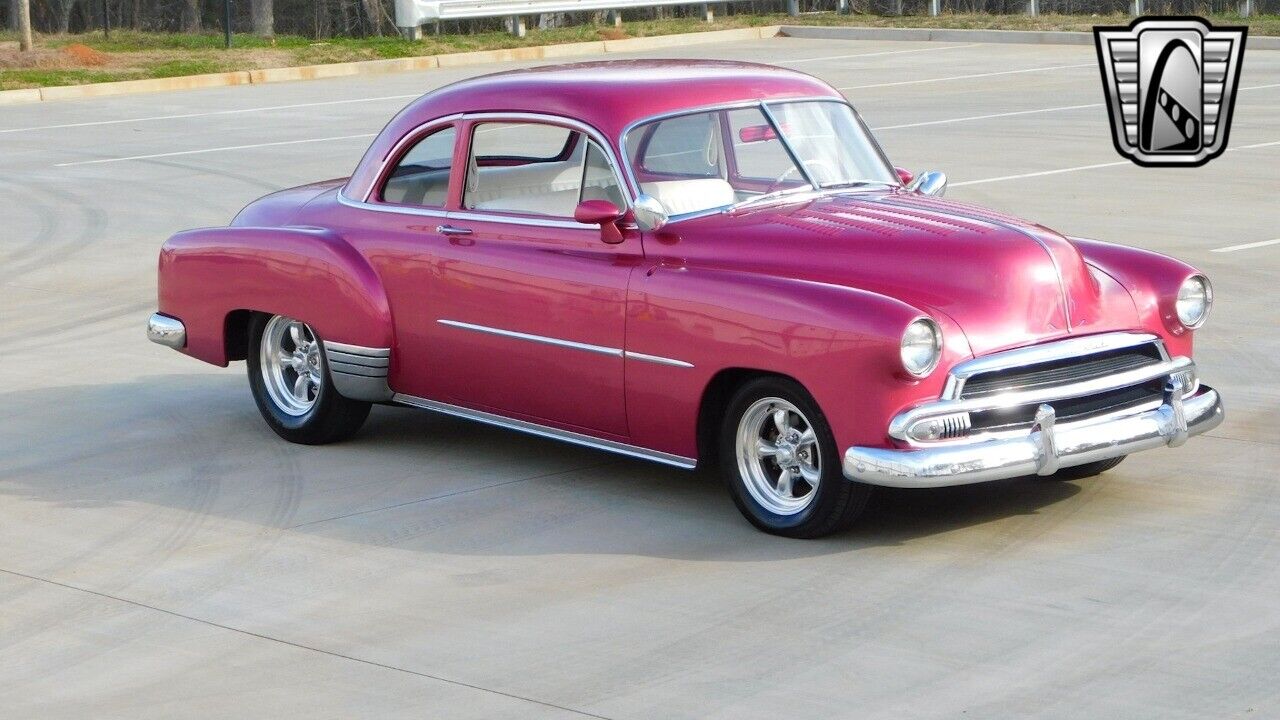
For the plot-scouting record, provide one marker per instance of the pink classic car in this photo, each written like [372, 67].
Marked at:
[696, 263]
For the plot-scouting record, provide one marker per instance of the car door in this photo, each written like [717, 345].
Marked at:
[529, 305]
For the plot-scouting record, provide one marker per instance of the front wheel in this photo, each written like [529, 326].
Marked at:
[291, 385]
[779, 459]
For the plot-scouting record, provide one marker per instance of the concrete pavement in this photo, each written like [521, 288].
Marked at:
[163, 555]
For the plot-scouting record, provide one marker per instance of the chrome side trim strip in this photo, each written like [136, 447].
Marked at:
[496, 216]
[1042, 353]
[571, 344]
[616, 352]
[167, 331]
[545, 431]
[658, 359]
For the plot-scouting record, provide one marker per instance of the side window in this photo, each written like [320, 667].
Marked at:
[599, 182]
[687, 145]
[422, 175]
[535, 169]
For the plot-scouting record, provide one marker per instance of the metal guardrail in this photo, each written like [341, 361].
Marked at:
[411, 15]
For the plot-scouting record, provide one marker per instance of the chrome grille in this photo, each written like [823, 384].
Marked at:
[1079, 377]
[1061, 371]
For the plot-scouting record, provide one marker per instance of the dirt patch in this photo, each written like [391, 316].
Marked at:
[34, 60]
[613, 34]
[86, 56]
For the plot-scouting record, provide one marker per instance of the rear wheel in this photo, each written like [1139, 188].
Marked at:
[1080, 472]
[779, 459]
[292, 387]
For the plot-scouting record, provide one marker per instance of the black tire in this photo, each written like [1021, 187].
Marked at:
[836, 501]
[330, 418]
[1080, 472]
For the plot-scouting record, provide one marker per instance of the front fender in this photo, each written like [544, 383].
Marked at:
[841, 343]
[309, 274]
[1152, 280]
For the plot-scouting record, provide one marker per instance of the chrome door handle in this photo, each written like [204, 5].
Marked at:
[451, 230]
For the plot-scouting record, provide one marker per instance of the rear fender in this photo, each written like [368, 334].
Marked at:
[310, 274]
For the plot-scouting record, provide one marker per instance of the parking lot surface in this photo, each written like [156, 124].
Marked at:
[164, 555]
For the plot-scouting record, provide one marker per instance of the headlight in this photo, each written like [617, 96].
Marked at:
[1195, 297]
[921, 347]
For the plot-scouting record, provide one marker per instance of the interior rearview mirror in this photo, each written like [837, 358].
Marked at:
[649, 212]
[602, 213]
[931, 182]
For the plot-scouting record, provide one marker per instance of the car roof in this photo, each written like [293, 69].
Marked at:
[607, 95]
[610, 95]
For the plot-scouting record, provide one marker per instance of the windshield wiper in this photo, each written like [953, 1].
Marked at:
[852, 184]
[769, 196]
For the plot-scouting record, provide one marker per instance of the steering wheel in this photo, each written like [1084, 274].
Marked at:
[824, 165]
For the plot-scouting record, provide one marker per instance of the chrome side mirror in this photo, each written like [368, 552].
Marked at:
[649, 212]
[930, 182]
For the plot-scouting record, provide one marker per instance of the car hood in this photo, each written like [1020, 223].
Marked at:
[1005, 281]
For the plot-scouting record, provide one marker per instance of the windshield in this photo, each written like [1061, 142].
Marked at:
[720, 158]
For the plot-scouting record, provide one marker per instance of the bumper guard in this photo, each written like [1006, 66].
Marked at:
[1047, 448]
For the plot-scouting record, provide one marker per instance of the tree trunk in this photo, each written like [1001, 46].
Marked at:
[374, 13]
[62, 15]
[191, 16]
[12, 15]
[264, 18]
[22, 20]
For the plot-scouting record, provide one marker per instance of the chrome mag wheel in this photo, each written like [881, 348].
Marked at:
[292, 370]
[779, 459]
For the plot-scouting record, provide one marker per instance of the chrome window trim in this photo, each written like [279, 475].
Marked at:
[418, 210]
[495, 217]
[547, 431]
[547, 119]
[414, 134]
[813, 191]
[570, 344]
[791, 152]
[463, 214]
[1045, 352]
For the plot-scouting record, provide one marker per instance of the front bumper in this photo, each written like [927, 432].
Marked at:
[1045, 449]
[167, 331]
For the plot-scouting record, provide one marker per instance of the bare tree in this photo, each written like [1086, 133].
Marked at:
[191, 16]
[264, 17]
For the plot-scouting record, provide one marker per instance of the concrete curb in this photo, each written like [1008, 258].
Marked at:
[378, 67]
[17, 97]
[1034, 37]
